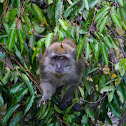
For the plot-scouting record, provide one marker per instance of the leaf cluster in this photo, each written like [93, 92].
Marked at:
[27, 28]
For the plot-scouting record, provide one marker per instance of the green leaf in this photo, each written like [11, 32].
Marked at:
[116, 100]
[102, 26]
[60, 35]
[63, 24]
[101, 12]
[46, 112]
[69, 9]
[77, 33]
[79, 48]
[116, 18]
[18, 5]
[17, 119]
[57, 13]
[69, 108]
[81, 8]
[122, 62]
[84, 119]
[3, 36]
[99, 22]
[2, 55]
[69, 1]
[108, 41]
[123, 26]
[7, 76]
[101, 82]
[13, 24]
[29, 103]
[40, 43]
[18, 54]
[15, 76]
[1, 101]
[57, 109]
[20, 95]
[123, 109]
[68, 118]
[121, 2]
[86, 4]
[93, 3]
[104, 53]
[27, 82]
[1, 1]
[82, 31]
[125, 79]
[42, 110]
[108, 88]
[121, 92]
[16, 88]
[38, 12]
[20, 35]
[68, 34]
[96, 50]
[88, 111]
[110, 96]
[123, 13]
[12, 14]
[48, 39]
[50, 2]
[27, 20]
[110, 91]
[92, 70]
[32, 41]
[81, 91]
[87, 50]
[114, 44]
[114, 110]
[9, 112]
[99, 36]
[11, 39]
[6, 28]
[108, 119]
[63, 93]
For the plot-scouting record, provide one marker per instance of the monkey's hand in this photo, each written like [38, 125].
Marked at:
[48, 90]
[43, 99]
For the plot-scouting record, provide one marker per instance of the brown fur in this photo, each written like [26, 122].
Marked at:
[49, 80]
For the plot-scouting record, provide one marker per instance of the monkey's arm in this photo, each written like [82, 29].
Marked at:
[48, 90]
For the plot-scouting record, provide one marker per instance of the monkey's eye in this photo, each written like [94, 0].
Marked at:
[57, 57]
[60, 58]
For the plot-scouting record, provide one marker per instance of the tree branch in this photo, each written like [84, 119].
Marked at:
[120, 44]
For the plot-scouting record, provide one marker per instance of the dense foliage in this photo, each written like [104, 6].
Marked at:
[27, 27]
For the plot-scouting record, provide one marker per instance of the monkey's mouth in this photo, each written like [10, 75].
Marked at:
[58, 75]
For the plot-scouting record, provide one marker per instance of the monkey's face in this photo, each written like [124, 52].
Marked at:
[60, 64]
[62, 60]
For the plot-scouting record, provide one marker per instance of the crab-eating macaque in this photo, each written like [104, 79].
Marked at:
[58, 66]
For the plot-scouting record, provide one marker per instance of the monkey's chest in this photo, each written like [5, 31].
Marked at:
[58, 81]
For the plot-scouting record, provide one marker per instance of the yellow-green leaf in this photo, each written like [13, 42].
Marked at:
[38, 12]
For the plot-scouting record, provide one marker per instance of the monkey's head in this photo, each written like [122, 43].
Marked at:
[61, 59]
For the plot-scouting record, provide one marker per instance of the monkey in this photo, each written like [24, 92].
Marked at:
[58, 66]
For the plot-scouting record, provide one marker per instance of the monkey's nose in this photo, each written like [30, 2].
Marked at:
[58, 65]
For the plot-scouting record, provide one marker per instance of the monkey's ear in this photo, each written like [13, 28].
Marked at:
[61, 46]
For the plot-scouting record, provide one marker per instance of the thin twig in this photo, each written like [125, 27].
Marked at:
[20, 12]
[120, 44]
[6, 64]
[32, 77]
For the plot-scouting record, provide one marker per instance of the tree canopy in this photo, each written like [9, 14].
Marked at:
[27, 28]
